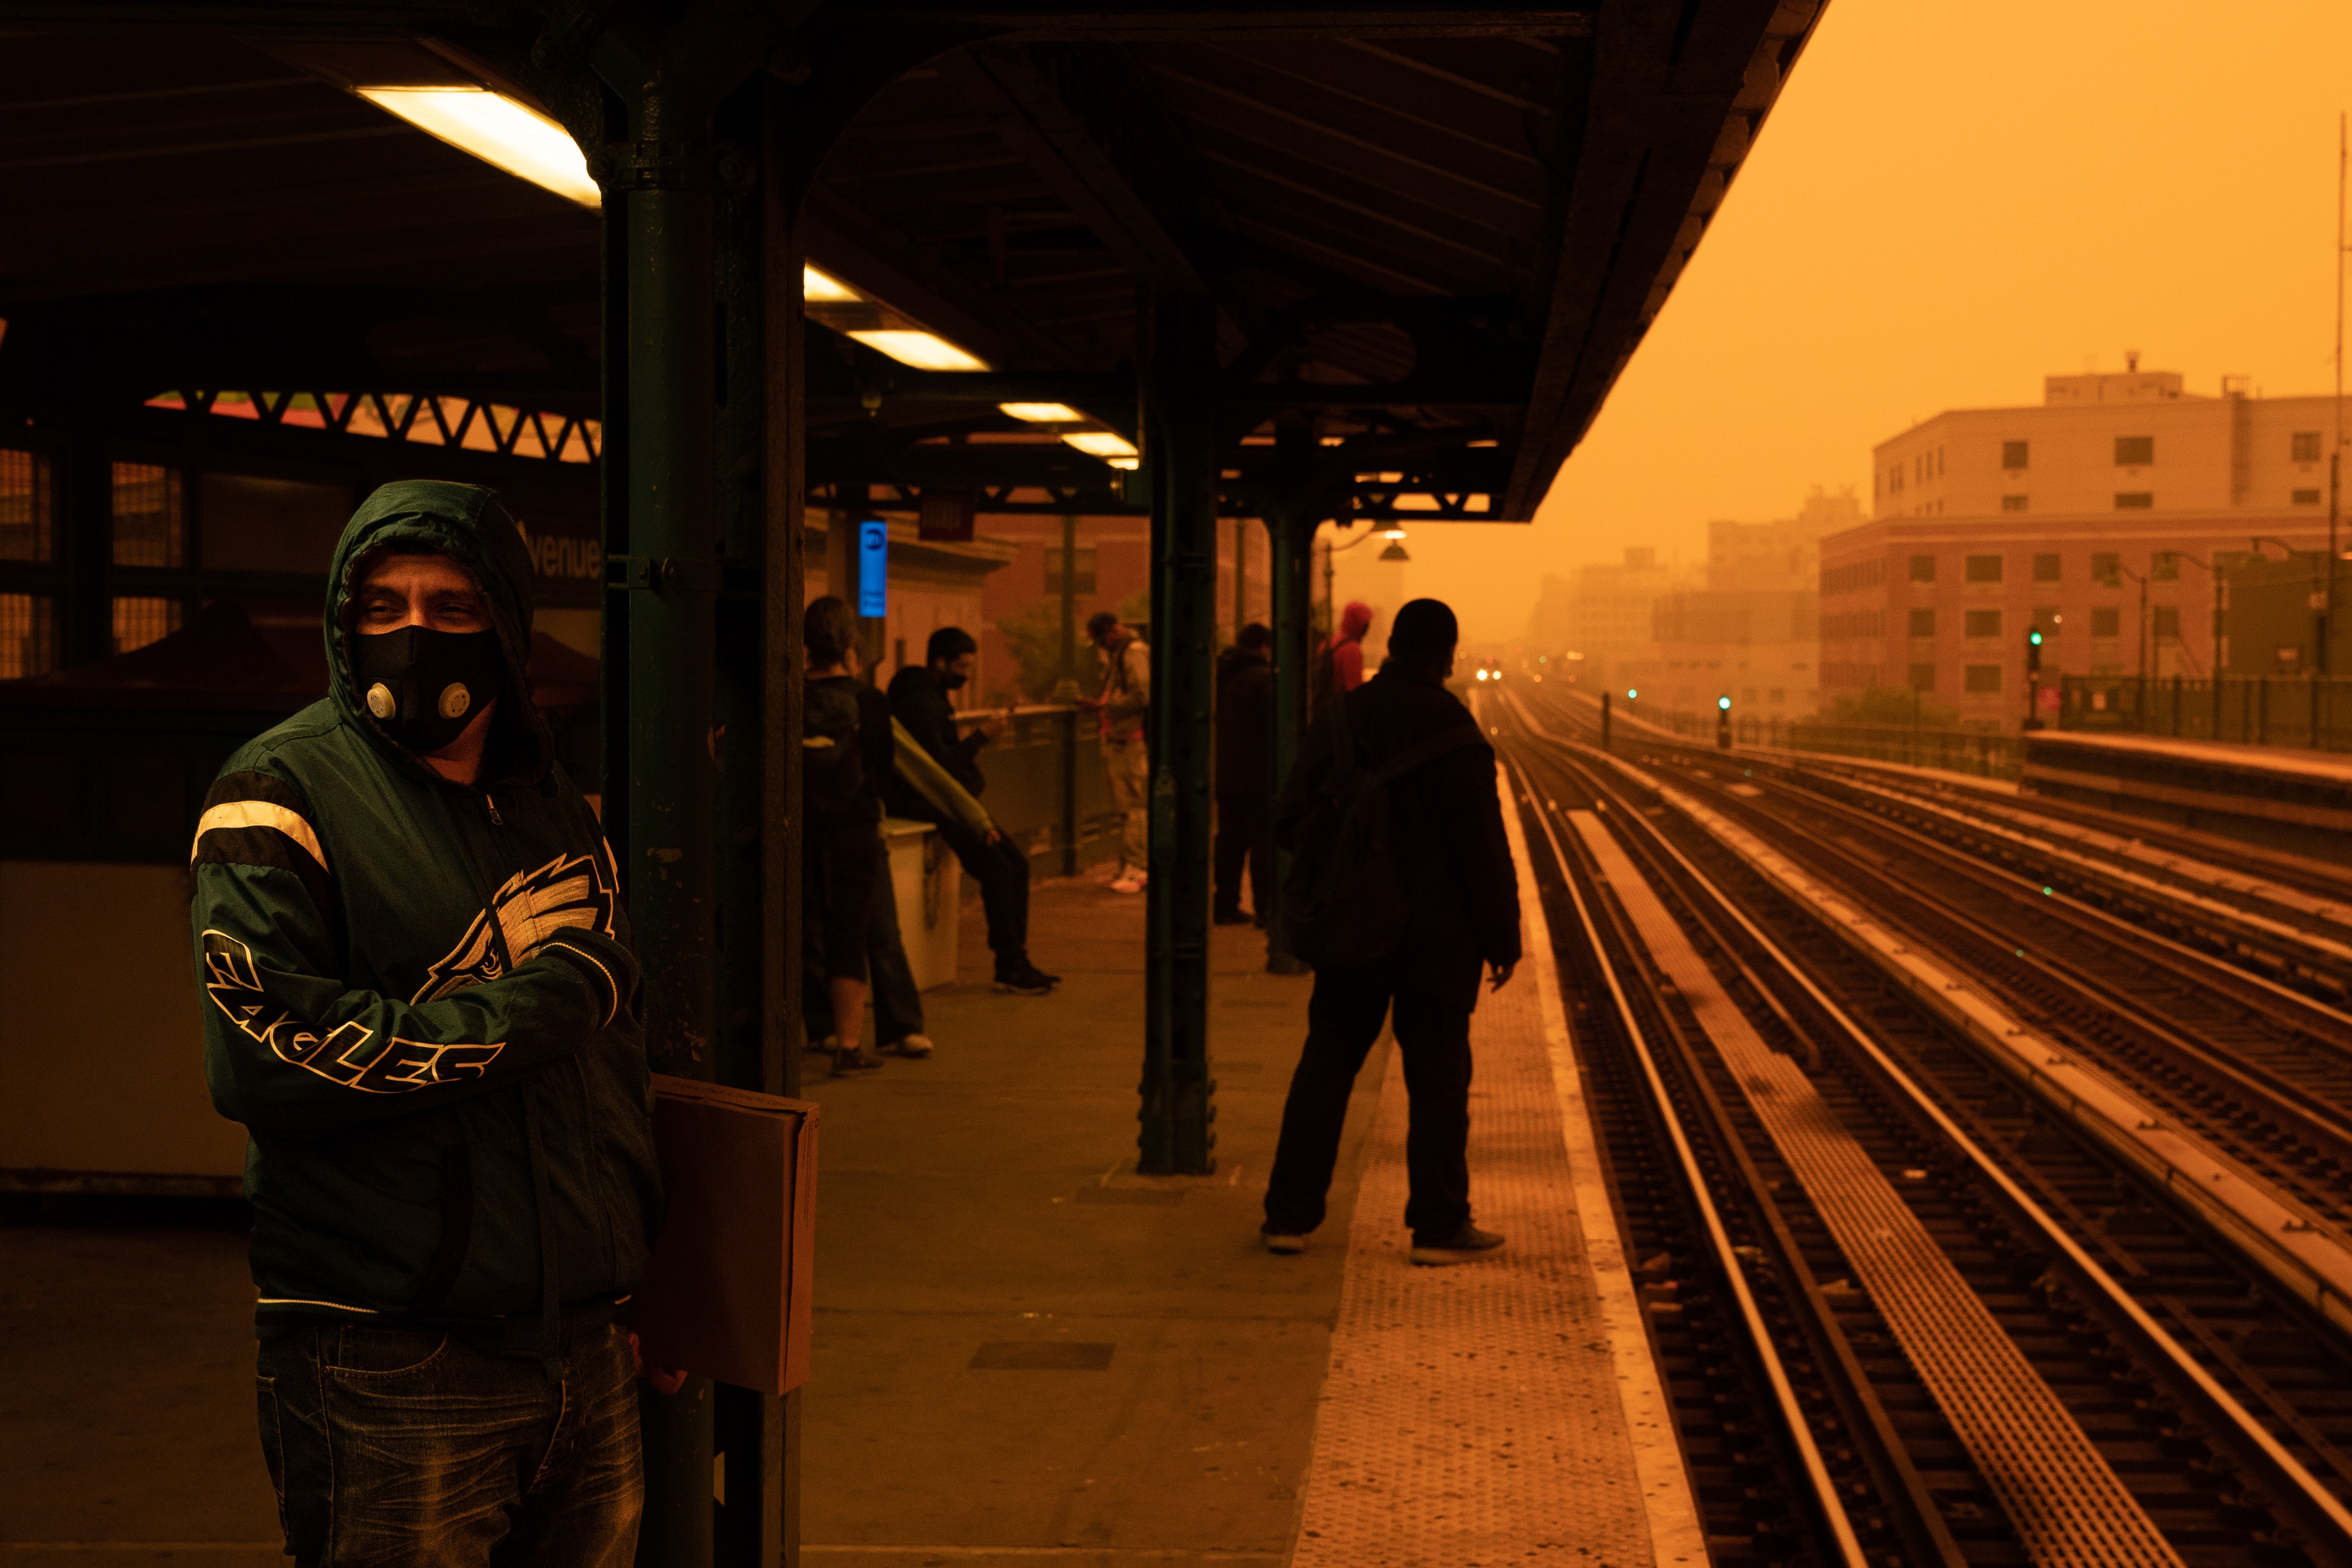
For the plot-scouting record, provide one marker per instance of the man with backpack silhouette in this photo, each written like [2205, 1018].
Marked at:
[1402, 891]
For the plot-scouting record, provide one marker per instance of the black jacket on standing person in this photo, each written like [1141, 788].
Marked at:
[1244, 722]
[1453, 860]
[921, 704]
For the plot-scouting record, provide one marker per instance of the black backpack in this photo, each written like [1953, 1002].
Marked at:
[1343, 903]
[832, 768]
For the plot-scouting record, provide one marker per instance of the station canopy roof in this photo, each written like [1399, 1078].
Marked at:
[1431, 236]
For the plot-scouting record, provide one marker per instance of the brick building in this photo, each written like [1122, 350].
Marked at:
[2120, 490]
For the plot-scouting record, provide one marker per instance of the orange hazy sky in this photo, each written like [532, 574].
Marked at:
[1948, 202]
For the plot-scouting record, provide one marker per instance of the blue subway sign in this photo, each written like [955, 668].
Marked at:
[873, 570]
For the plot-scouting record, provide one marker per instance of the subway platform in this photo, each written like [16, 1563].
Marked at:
[1027, 1355]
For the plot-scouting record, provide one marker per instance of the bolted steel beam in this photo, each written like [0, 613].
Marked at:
[1177, 1092]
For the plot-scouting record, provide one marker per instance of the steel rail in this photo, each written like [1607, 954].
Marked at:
[2187, 1366]
[1719, 1238]
[2215, 967]
[2278, 1094]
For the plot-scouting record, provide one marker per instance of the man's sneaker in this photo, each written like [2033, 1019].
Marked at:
[826, 1046]
[1025, 979]
[855, 1059]
[1129, 882]
[1285, 1246]
[1465, 1243]
[916, 1045]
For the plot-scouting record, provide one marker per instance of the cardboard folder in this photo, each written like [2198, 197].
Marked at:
[728, 1292]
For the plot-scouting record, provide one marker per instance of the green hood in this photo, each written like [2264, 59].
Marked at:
[466, 523]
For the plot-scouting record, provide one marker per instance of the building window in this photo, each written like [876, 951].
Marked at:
[2107, 621]
[2106, 569]
[2164, 566]
[2013, 503]
[2134, 501]
[1086, 574]
[2305, 445]
[2306, 498]
[1923, 623]
[1982, 569]
[1923, 678]
[1777, 695]
[2168, 621]
[2135, 451]
[28, 507]
[29, 635]
[150, 516]
[1980, 679]
[138, 622]
[1923, 568]
[1981, 623]
[2013, 454]
[2045, 567]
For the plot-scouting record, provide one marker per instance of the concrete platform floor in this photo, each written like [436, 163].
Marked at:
[1027, 1355]
[1024, 1355]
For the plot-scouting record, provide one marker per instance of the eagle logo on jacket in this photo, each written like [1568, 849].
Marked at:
[567, 892]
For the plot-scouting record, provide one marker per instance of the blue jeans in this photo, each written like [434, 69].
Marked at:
[396, 1446]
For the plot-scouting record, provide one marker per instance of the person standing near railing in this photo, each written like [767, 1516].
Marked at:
[1123, 707]
[1245, 777]
[919, 699]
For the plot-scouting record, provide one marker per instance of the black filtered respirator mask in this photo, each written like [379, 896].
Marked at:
[425, 686]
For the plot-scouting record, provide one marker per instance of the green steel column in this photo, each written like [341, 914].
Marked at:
[758, 469]
[1290, 549]
[1176, 1137]
[673, 652]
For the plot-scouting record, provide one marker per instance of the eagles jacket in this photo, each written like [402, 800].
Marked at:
[420, 998]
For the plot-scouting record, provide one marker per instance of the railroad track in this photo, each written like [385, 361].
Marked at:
[2154, 1369]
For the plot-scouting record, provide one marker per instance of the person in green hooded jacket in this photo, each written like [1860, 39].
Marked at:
[420, 1001]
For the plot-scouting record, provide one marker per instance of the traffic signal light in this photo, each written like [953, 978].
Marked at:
[1723, 723]
[2033, 652]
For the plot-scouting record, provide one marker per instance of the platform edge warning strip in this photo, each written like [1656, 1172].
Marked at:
[1475, 1413]
[2066, 1503]
[1677, 1531]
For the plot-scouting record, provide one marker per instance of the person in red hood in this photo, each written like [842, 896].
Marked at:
[1340, 665]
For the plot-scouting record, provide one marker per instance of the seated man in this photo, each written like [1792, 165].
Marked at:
[423, 1005]
[918, 699]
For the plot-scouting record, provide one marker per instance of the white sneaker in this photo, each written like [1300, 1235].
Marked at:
[914, 1045]
[1132, 882]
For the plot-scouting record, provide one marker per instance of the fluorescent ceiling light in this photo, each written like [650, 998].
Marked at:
[1043, 412]
[1101, 443]
[924, 351]
[497, 130]
[824, 288]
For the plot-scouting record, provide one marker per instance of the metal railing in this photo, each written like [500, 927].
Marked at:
[2312, 712]
[1981, 753]
[1046, 788]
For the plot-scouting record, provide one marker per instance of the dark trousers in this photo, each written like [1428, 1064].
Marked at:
[1002, 872]
[898, 1005]
[1244, 832]
[391, 1447]
[1343, 1020]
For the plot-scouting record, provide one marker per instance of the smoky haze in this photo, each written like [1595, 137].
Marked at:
[1949, 202]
